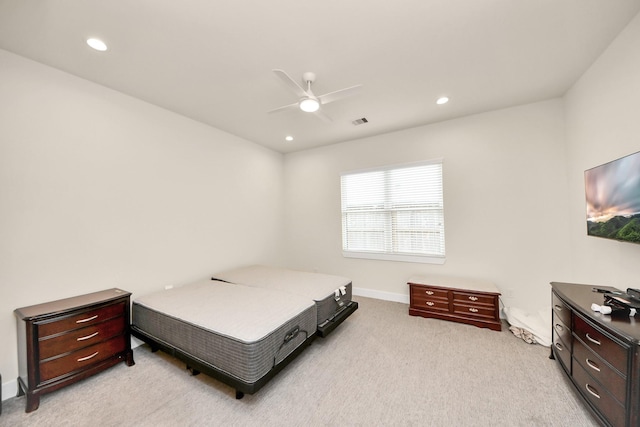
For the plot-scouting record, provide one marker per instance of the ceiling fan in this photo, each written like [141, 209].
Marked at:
[308, 102]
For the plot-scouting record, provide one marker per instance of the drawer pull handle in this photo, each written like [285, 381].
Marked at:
[473, 310]
[559, 346]
[430, 303]
[88, 319]
[472, 298]
[429, 292]
[592, 390]
[87, 337]
[82, 359]
[592, 365]
[557, 307]
[559, 327]
[593, 340]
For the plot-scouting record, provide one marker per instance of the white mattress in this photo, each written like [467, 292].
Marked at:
[311, 285]
[244, 313]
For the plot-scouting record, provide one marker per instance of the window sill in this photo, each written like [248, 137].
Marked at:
[395, 257]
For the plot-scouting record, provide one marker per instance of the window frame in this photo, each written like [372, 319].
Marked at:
[389, 253]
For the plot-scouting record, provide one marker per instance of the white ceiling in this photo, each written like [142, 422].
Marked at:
[211, 60]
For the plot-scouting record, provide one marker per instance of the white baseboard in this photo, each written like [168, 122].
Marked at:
[9, 389]
[387, 296]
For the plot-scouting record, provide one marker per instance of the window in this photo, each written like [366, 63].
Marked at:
[394, 213]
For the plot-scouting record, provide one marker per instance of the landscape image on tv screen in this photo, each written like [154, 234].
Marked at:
[613, 199]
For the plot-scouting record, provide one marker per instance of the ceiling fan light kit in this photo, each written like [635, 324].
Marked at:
[308, 102]
[309, 105]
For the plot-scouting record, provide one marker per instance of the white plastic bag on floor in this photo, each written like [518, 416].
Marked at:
[532, 328]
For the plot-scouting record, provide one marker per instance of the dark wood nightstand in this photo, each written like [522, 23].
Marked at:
[62, 342]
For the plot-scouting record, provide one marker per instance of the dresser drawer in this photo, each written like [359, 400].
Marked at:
[598, 396]
[79, 338]
[613, 382]
[562, 350]
[418, 291]
[561, 310]
[561, 330]
[473, 298]
[430, 303]
[475, 311]
[80, 359]
[601, 344]
[81, 320]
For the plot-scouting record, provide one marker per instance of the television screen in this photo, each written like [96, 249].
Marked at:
[613, 199]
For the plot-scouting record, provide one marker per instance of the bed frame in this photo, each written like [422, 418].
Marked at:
[212, 361]
[196, 366]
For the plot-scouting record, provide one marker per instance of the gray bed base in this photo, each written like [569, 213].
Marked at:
[329, 308]
[196, 365]
[340, 316]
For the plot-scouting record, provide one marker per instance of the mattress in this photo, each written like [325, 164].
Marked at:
[330, 293]
[241, 331]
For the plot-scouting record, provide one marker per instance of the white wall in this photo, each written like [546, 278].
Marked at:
[505, 202]
[100, 190]
[603, 124]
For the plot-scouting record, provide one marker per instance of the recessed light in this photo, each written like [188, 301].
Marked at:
[442, 100]
[97, 44]
[289, 138]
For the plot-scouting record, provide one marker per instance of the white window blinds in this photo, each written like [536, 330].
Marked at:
[394, 213]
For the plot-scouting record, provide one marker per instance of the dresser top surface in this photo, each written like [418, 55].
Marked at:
[455, 283]
[60, 306]
[580, 297]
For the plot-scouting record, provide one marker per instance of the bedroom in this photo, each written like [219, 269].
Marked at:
[96, 186]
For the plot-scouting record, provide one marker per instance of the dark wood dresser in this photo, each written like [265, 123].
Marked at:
[599, 353]
[64, 341]
[454, 299]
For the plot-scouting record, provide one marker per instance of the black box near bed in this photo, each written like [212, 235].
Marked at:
[243, 326]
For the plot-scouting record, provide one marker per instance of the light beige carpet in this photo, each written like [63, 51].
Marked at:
[381, 367]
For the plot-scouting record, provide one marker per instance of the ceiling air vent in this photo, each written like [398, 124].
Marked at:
[360, 121]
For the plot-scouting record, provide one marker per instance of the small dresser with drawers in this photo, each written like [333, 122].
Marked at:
[599, 353]
[455, 299]
[64, 341]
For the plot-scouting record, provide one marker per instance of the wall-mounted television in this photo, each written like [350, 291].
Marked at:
[613, 199]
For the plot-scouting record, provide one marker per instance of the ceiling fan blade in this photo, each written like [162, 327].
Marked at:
[293, 106]
[323, 116]
[339, 94]
[291, 84]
